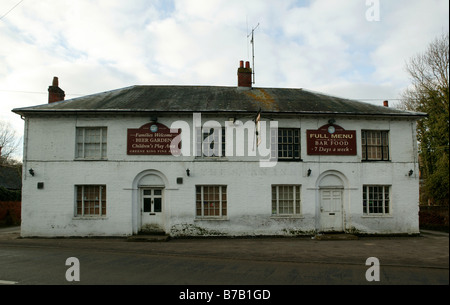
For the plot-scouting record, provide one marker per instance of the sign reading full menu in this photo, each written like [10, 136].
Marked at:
[331, 140]
[153, 139]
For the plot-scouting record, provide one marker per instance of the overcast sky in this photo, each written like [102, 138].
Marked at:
[348, 48]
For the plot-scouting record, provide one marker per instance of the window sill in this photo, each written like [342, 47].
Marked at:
[90, 160]
[211, 159]
[287, 217]
[377, 216]
[372, 161]
[90, 218]
[211, 219]
[288, 160]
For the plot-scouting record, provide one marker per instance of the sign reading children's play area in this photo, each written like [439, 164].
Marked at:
[152, 139]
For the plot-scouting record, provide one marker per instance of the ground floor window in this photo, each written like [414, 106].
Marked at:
[285, 200]
[91, 200]
[211, 201]
[376, 199]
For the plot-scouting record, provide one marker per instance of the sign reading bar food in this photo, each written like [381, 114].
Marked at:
[331, 140]
[152, 139]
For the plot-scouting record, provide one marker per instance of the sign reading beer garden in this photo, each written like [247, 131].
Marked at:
[152, 139]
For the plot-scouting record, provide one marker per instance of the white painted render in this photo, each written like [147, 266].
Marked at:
[49, 149]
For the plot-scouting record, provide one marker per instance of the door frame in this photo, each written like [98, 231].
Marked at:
[322, 227]
[139, 182]
[158, 223]
[331, 180]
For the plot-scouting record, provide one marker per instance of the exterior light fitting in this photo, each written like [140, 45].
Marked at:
[411, 172]
[309, 172]
[31, 172]
[188, 172]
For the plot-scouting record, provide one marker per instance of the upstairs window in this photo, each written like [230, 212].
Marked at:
[285, 143]
[210, 142]
[375, 145]
[91, 143]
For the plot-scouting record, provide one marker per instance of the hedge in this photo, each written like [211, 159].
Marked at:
[7, 195]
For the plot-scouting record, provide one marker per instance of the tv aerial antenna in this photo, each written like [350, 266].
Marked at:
[252, 41]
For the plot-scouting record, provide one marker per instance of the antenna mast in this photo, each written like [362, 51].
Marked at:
[253, 50]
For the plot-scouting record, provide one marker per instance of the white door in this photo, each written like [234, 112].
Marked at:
[331, 210]
[152, 210]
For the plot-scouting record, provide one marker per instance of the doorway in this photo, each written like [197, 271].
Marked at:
[331, 210]
[152, 210]
[330, 202]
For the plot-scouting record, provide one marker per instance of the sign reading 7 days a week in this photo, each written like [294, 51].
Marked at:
[331, 140]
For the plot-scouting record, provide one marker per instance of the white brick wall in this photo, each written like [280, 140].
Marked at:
[50, 151]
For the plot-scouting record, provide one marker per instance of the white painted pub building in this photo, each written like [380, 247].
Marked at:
[217, 161]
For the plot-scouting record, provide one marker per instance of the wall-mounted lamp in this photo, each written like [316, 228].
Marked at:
[154, 119]
[411, 172]
[331, 121]
[31, 172]
[188, 172]
[309, 172]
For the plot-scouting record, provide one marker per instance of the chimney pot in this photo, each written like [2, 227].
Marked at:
[55, 82]
[386, 103]
[247, 65]
[241, 64]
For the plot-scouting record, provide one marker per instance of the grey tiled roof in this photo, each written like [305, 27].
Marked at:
[215, 99]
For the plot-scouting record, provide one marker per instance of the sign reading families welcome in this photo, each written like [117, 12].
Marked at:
[331, 140]
[152, 139]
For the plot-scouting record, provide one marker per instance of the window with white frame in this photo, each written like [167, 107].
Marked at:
[210, 142]
[285, 144]
[375, 145]
[286, 200]
[91, 143]
[91, 200]
[376, 200]
[211, 201]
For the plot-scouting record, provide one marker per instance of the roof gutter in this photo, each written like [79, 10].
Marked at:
[24, 112]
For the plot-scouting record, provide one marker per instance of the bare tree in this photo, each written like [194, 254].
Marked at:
[429, 93]
[429, 73]
[9, 143]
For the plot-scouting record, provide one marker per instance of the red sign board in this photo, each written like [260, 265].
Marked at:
[152, 139]
[331, 140]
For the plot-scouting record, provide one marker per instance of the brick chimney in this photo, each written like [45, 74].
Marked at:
[55, 94]
[386, 103]
[244, 76]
